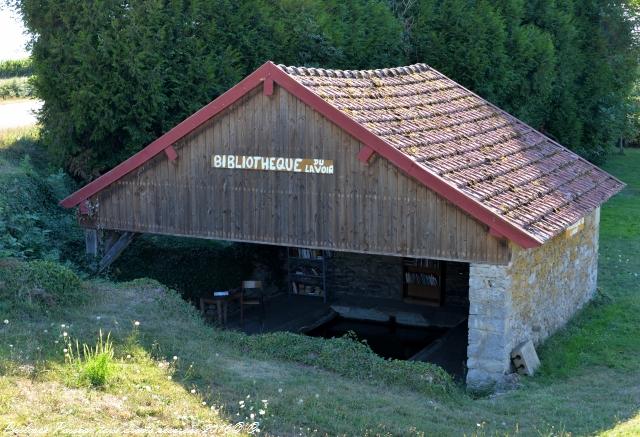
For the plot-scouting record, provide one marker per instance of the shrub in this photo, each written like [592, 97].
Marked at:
[39, 283]
[226, 265]
[16, 67]
[32, 225]
[92, 365]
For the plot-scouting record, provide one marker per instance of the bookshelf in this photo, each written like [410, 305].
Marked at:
[423, 281]
[308, 272]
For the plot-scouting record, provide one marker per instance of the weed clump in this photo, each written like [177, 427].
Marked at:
[92, 365]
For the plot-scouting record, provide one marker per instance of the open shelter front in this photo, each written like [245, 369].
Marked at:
[401, 174]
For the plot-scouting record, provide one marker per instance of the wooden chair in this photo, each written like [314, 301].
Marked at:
[221, 303]
[251, 293]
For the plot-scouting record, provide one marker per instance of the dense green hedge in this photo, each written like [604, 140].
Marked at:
[565, 67]
[16, 68]
[116, 75]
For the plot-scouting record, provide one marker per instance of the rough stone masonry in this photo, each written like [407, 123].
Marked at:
[528, 299]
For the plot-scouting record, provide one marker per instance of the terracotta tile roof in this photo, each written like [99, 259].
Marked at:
[515, 171]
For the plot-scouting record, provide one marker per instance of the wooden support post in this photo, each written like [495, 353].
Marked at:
[171, 153]
[365, 154]
[91, 242]
[112, 253]
[268, 86]
[108, 239]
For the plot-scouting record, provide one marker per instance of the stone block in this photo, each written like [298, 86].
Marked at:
[483, 308]
[487, 344]
[525, 359]
[489, 365]
[490, 324]
[481, 380]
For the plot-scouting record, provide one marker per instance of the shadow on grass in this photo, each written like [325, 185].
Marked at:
[590, 382]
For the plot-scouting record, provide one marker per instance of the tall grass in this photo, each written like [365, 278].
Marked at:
[92, 365]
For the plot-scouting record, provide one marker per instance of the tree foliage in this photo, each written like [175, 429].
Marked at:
[567, 68]
[115, 75]
[15, 68]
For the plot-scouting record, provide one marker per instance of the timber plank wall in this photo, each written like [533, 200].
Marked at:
[361, 208]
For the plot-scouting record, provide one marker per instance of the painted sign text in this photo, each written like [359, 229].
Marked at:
[296, 165]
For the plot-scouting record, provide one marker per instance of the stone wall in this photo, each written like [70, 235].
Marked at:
[356, 274]
[530, 298]
[364, 275]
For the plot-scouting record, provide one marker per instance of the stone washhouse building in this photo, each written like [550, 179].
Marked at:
[384, 168]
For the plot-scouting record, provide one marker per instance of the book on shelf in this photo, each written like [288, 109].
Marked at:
[421, 279]
[306, 253]
[422, 262]
[307, 290]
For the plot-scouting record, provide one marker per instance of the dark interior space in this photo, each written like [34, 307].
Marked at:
[387, 339]
[204, 265]
[335, 294]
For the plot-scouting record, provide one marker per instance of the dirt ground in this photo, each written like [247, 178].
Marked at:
[18, 113]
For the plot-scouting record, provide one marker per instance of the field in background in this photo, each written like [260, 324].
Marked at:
[18, 106]
[15, 79]
[589, 382]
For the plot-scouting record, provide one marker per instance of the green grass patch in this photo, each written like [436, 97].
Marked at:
[600, 335]
[38, 285]
[93, 365]
[166, 372]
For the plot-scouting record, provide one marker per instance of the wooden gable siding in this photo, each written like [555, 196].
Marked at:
[370, 208]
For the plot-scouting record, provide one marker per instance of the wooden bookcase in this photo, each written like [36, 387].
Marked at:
[423, 281]
[307, 271]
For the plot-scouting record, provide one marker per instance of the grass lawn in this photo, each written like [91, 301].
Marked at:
[589, 383]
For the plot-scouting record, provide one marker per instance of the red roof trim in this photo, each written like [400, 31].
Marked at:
[402, 161]
[271, 72]
[365, 154]
[268, 86]
[171, 153]
[495, 233]
[168, 139]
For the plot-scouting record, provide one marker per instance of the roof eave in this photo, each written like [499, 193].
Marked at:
[171, 137]
[273, 73]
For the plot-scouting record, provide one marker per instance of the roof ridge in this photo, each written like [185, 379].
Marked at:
[355, 74]
[310, 92]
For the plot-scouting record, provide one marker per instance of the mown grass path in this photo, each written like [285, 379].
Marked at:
[16, 113]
